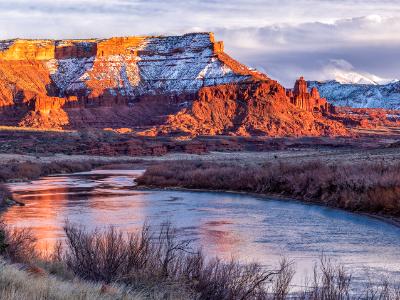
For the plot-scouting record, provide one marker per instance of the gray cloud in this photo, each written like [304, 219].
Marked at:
[283, 37]
[370, 44]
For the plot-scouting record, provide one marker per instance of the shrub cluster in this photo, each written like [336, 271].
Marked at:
[366, 187]
[164, 257]
[17, 244]
[32, 170]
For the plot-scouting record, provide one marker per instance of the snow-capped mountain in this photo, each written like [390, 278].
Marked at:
[344, 72]
[370, 95]
[358, 78]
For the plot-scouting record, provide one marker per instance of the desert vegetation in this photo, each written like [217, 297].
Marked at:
[363, 187]
[32, 170]
[17, 284]
[162, 256]
[156, 264]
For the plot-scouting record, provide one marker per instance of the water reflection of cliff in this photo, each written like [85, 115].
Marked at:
[46, 204]
[85, 200]
[215, 235]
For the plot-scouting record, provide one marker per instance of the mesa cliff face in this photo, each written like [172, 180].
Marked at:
[248, 109]
[159, 85]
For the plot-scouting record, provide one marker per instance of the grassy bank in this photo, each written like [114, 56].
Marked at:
[156, 264]
[362, 187]
[17, 284]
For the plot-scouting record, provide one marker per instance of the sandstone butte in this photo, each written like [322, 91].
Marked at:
[155, 85]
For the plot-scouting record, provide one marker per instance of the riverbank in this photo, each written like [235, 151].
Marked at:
[158, 264]
[367, 188]
[14, 170]
[81, 273]
[29, 170]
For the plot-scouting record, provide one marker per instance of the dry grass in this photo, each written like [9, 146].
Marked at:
[108, 264]
[17, 284]
[31, 170]
[363, 187]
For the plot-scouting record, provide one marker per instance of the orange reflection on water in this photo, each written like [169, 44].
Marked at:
[217, 236]
[46, 207]
[52, 200]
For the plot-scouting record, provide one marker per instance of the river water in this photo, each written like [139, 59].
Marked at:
[227, 225]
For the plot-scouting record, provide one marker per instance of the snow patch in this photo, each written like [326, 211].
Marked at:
[163, 64]
[360, 95]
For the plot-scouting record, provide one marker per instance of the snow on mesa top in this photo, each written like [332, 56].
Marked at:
[131, 66]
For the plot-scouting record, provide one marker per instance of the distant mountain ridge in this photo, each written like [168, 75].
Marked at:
[360, 95]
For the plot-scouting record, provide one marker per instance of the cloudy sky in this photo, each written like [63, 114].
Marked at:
[319, 39]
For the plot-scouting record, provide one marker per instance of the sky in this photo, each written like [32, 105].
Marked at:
[318, 39]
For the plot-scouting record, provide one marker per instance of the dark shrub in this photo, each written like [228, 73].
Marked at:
[5, 194]
[367, 187]
[146, 256]
[17, 244]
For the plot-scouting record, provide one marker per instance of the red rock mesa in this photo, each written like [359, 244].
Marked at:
[156, 85]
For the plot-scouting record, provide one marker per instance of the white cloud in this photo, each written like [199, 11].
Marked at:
[284, 37]
[109, 17]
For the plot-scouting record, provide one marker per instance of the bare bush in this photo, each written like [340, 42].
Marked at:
[281, 286]
[329, 282]
[145, 256]
[95, 256]
[333, 282]
[17, 244]
[160, 261]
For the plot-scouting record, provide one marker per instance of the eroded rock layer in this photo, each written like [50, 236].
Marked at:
[160, 85]
[246, 109]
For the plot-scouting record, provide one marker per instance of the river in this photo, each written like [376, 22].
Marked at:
[227, 225]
